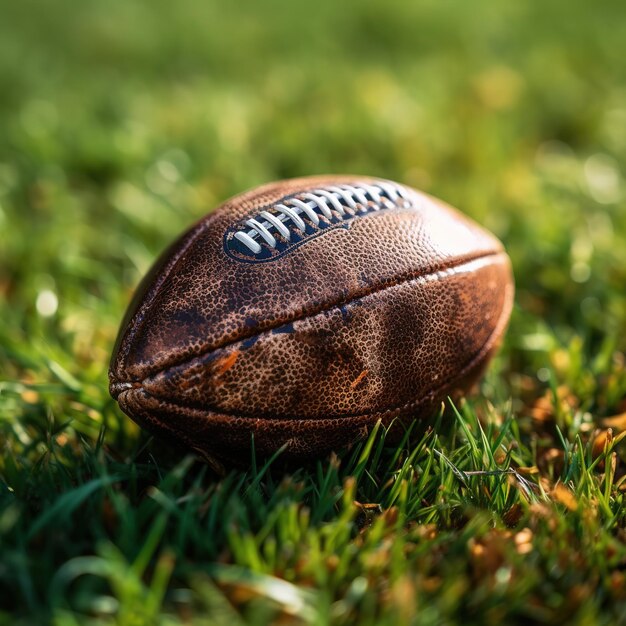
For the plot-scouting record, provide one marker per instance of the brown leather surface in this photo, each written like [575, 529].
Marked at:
[381, 319]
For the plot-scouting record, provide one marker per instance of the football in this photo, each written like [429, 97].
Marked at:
[300, 313]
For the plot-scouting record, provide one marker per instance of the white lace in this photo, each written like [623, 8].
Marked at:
[346, 200]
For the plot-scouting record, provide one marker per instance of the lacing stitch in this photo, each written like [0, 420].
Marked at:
[346, 200]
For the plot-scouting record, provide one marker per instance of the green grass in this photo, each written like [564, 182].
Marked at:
[122, 122]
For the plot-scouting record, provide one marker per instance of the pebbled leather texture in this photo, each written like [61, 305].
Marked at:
[381, 319]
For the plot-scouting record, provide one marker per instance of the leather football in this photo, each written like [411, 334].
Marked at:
[300, 313]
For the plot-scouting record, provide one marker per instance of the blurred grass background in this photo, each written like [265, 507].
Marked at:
[123, 122]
